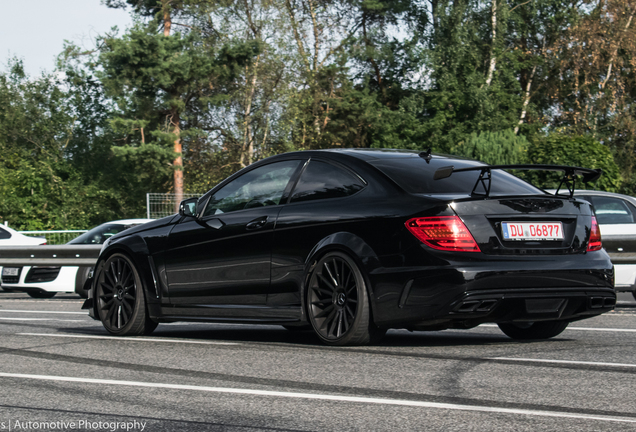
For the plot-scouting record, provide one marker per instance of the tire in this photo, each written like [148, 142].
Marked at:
[534, 330]
[41, 294]
[337, 302]
[80, 279]
[121, 303]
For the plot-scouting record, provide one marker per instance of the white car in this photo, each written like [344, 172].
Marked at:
[10, 237]
[45, 282]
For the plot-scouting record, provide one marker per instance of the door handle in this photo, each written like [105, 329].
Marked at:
[256, 224]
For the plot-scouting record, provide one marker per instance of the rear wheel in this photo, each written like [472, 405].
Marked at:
[338, 302]
[41, 294]
[120, 298]
[534, 330]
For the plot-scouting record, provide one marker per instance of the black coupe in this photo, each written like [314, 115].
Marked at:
[350, 243]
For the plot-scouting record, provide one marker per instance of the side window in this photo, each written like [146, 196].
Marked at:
[613, 211]
[260, 187]
[321, 180]
[4, 234]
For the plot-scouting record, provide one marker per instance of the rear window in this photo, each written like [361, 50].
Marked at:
[414, 175]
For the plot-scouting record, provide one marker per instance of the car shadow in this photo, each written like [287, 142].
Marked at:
[278, 335]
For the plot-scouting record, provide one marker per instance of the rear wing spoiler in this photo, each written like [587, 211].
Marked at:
[568, 180]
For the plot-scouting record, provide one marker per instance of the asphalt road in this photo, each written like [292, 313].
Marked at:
[60, 370]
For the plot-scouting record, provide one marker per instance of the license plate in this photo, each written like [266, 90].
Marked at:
[532, 230]
[10, 271]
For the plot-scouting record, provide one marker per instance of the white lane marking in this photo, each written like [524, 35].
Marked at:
[530, 360]
[317, 396]
[599, 329]
[38, 319]
[127, 339]
[43, 312]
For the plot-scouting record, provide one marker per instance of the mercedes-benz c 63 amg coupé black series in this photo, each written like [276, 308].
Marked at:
[351, 243]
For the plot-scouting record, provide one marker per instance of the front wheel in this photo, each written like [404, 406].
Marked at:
[120, 298]
[534, 330]
[338, 302]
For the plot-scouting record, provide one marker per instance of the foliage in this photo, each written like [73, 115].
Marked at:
[575, 150]
[495, 148]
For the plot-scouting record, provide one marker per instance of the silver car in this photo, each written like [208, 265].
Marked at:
[616, 216]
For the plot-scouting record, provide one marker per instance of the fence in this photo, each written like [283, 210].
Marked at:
[55, 237]
[160, 205]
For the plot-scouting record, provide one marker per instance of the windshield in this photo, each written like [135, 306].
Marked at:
[100, 234]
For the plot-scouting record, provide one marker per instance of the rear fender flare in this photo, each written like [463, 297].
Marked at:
[353, 246]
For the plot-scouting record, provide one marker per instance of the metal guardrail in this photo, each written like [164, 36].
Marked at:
[49, 255]
[55, 237]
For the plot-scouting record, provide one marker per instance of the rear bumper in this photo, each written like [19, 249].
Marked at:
[466, 294]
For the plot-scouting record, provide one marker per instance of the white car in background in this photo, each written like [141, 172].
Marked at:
[45, 282]
[10, 237]
[616, 217]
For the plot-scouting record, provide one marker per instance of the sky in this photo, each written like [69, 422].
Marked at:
[35, 30]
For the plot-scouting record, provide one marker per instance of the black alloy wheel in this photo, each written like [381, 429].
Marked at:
[533, 330]
[120, 298]
[338, 303]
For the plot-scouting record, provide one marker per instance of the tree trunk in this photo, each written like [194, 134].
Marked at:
[178, 162]
[248, 142]
[167, 19]
[493, 58]
[175, 119]
[526, 99]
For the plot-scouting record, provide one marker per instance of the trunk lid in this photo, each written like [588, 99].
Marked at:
[485, 219]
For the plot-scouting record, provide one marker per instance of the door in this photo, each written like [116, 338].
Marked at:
[223, 256]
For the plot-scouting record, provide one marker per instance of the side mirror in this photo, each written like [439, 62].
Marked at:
[188, 207]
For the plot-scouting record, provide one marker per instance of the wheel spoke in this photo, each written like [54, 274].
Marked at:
[319, 291]
[119, 264]
[107, 304]
[124, 314]
[340, 318]
[348, 309]
[330, 274]
[326, 282]
[127, 306]
[337, 273]
[328, 320]
[106, 296]
[333, 324]
[322, 302]
[110, 278]
[110, 310]
[325, 312]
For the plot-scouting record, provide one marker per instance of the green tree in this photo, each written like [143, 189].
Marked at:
[575, 150]
[158, 82]
[495, 148]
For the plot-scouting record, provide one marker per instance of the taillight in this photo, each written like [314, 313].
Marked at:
[447, 233]
[595, 237]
